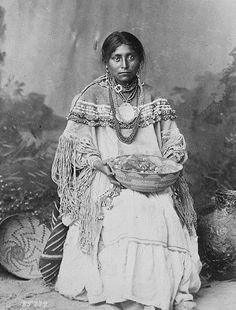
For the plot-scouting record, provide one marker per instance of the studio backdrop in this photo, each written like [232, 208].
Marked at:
[50, 49]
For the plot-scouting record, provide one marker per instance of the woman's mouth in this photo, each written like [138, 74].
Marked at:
[124, 73]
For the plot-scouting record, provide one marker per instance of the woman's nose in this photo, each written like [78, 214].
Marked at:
[124, 63]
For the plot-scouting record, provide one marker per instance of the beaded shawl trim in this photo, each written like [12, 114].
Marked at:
[101, 115]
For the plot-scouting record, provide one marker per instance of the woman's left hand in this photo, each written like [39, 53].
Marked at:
[174, 158]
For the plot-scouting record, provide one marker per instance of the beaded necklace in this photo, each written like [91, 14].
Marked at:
[131, 95]
[125, 112]
[120, 90]
[134, 116]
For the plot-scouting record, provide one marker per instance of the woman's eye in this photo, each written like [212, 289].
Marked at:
[116, 58]
[131, 57]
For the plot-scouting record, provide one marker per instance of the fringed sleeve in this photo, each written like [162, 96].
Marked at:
[172, 142]
[73, 172]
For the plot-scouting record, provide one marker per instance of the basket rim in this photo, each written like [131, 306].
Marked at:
[15, 215]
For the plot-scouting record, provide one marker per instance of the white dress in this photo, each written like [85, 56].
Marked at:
[142, 252]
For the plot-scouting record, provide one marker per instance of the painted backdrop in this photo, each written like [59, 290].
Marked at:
[50, 49]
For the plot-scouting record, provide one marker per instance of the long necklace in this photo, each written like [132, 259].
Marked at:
[134, 123]
[125, 112]
[129, 139]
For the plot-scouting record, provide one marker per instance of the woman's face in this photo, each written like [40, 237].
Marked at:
[123, 64]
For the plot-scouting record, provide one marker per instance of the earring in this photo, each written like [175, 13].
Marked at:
[138, 74]
[107, 74]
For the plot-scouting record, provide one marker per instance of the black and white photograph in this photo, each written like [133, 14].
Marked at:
[117, 154]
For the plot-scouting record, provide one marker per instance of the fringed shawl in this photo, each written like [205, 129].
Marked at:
[174, 145]
[183, 204]
[73, 176]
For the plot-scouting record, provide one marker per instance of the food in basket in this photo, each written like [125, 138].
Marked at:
[143, 164]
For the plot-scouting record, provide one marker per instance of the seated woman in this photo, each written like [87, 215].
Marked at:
[124, 248]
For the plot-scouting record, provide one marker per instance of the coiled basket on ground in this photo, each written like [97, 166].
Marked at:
[22, 239]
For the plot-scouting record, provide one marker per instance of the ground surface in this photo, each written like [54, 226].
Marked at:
[16, 294]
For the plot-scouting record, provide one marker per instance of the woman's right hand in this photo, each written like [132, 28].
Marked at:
[105, 169]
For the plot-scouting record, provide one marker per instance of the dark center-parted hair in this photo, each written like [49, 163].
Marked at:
[116, 39]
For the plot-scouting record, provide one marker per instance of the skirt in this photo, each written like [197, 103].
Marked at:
[143, 254]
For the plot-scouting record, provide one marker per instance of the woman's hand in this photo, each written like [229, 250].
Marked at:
[67, 220]
[105, 169]
[174, 158]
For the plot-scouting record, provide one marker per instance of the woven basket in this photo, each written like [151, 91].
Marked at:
[22, 239]
[147, 182]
